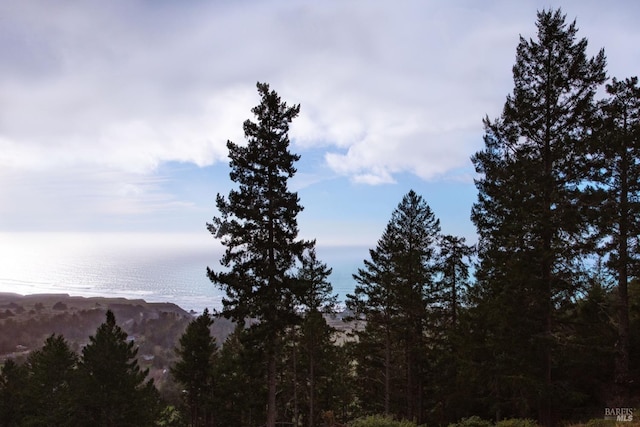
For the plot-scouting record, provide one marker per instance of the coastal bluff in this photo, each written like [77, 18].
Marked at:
[27, 320]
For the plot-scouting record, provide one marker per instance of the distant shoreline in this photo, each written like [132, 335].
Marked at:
[86, 302]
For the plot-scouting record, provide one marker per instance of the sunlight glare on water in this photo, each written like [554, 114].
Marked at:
[154, 267]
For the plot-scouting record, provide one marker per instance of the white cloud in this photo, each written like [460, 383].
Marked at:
[385, 87]
[76, 198]
[115, 91]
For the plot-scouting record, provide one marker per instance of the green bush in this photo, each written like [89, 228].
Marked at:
[517, 422]
[380, 421]
[601, 422]
[170, 417]
[474, 421]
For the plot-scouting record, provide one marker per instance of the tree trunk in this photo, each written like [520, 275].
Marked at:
[454, 292]
[295, 383]
[387, 372]
[409, 372]
[312, 395]
[271, 389]
[622, 347]
[547, 257]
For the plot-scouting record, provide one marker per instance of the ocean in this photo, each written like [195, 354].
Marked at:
[151, 266]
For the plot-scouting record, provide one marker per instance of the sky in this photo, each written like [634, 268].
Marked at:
[114, 115]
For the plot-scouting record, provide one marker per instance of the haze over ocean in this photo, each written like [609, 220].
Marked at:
[154, 267]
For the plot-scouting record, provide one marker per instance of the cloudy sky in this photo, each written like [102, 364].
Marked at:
[114, 114]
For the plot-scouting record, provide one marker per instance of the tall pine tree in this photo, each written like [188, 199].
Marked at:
[445, 336]
[49, 390]
[194, 369]
[239, 373]
[527, 214]
[111, 389]
[393, 292]
[454, 254]
[258, 226]
[13, 402]
[315, 335]
[617, 175]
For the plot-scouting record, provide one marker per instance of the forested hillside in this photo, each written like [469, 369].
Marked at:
[26, 321]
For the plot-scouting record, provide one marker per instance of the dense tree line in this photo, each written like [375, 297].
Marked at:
[557, 219]
[548, 327]
[553, 206]
[31, 322]
[103, 386]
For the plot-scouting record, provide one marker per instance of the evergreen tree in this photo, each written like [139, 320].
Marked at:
[393, 293]
[111, 387]
[634, 331]
[259, 228]
[48, 391]
[194, 369]
[372, 301]
[317, 294]
[527, 213]
[13, 381]
[617, 174]
[315, 335]
[454, 272]
[588, 363]
[239, 372]
[341, 388]
[445, 334]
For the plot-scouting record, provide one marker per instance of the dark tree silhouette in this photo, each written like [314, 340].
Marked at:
[111, 388]
[531, 231]
[393, 292]
[258, 226]
[194, 369]
[49, 389]
[616, 173]
[315, 336]
[13, 381]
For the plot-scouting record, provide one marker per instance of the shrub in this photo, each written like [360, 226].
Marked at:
[59, 306]
[474, 421]
[380, 421]
[601, 422]
[517, 422]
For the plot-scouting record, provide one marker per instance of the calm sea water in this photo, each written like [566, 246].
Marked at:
[153, 267]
